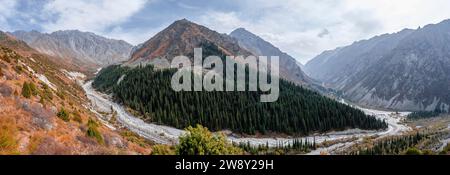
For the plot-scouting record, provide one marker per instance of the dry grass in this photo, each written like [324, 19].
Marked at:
[35, 141]
[8, 130]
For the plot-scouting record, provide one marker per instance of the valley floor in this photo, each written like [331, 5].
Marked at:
[106, 109]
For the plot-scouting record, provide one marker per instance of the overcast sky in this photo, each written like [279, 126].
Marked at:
[302, 28]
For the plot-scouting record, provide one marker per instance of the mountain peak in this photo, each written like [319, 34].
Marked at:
[243, 31]
[180, 38]
[240, 29]
[183, 22]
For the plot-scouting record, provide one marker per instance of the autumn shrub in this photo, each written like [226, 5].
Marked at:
[26, 90]
[94, 132]
[200, 141]
[413, 151]
[163, 150]
[63, 115]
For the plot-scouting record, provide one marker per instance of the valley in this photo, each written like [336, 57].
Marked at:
[102, 103]
[73, 92]
[114, 101]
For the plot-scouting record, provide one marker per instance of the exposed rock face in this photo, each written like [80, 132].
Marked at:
[82, 48]
[289, 67]
[408, 70]
[180, 38]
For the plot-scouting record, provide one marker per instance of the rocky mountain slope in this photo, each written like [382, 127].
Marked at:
[408, 70]
[44, 111]
[180, 38]
[86, 50]
[289, 68]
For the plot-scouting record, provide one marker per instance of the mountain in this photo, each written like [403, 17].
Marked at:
[289, 68]
[148, 92]
[86, 50]
[180, 38]
[408, 70]
[44, 111]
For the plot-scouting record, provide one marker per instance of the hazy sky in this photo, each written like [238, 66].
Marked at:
[302, 28]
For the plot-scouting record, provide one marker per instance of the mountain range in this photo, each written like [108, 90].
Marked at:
[86, 50]
[41, 95]
[407, 70]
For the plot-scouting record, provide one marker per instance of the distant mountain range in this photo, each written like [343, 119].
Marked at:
[408, 70]
[84, 49]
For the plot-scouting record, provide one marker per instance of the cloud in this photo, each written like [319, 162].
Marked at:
[223, 22]
[7, 10]
[323, 33]
[302, 28]
[294, 25]
[89, 15]
[305, 28]
[133, 36]
[187, 6]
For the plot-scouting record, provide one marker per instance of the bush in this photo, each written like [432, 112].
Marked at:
[200, 141]
[94, 132]
[163, 150]
[63, 115]
[46, 92]
[26, 90]
[33, 89]
[133, 137]
[413, 151]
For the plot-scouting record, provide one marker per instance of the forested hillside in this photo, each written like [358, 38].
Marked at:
[297, 111]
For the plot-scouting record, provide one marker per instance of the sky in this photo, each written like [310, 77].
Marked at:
[302, 28]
